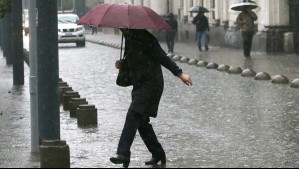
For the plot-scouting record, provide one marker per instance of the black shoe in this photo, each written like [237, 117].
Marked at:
[207, 48]
[155, 161]
[125, 161]
[200, 49]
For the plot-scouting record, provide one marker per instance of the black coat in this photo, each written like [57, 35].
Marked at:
[145, 56]
[202, 23]
[174, 24]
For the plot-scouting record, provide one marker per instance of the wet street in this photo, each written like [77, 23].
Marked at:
[222, 121]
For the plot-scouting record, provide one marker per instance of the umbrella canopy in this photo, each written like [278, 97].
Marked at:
[239, 6]
[198, 9]
[125, 16]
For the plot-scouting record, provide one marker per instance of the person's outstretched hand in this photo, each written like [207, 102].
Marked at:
[186, 79]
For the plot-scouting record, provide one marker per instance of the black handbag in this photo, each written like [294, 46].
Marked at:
[123, 78]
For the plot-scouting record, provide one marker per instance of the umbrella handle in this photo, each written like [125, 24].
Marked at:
[121, 48]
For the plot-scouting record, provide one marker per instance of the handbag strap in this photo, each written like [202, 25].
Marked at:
[121, 48]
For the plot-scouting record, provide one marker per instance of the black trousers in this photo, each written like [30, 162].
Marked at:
[170, 38]
[134, 122]
[247, 42]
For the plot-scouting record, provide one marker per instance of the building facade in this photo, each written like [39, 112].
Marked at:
[274, 31]
[93, 3]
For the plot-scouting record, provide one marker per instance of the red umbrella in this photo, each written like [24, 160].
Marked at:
[124, 16]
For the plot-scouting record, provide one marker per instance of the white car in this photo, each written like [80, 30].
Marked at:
[69, 31]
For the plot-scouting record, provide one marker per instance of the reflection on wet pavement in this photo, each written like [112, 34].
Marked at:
[222, 121]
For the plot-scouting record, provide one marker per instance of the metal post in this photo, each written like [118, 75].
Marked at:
[48, 71]
[17, 43]
[1, 33]
[8, 48]
[33, 76]
[61, 5]
[74, 5]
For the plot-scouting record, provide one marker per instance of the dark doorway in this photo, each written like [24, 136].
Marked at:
[294, 24]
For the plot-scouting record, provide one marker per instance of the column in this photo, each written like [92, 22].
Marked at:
[224, 10]
[147, 3]
[138, 2]
[275, 18]
[159, 6]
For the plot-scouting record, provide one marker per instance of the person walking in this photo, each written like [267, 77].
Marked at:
[94, 30]
[246, 21]
[170, 35]
[144, 57]
[202, 29]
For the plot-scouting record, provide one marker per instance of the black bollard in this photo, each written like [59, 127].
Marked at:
[63, 84]
[67, 96]
[87, 116]
[62, 90]
[54, 154]
[74, 105]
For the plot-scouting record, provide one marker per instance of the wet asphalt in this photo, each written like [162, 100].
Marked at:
[221, 121]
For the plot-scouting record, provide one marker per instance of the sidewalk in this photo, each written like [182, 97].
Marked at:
[14, 117]
[274, 64]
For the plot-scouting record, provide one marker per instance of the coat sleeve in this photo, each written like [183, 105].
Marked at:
[160, 55]
[253, 16]
[194, 20]
[239, 19]
[207, 24]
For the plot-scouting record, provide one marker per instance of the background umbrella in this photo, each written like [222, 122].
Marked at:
[239, 6]
[124, 16]
[198, 9]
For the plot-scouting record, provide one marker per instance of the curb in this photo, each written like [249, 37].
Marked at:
[277, 79]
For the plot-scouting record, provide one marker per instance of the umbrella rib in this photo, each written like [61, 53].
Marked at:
[104, 14]
[133, 24]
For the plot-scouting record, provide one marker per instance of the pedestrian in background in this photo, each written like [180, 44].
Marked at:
[246, 21]
[94, 29]
[202, 29]
[144, 57]
[170, 35]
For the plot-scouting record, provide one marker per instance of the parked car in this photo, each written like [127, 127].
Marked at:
[26, 26]
[69, 31]
[25, 21]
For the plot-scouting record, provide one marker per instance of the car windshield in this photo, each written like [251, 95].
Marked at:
[67, 18]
